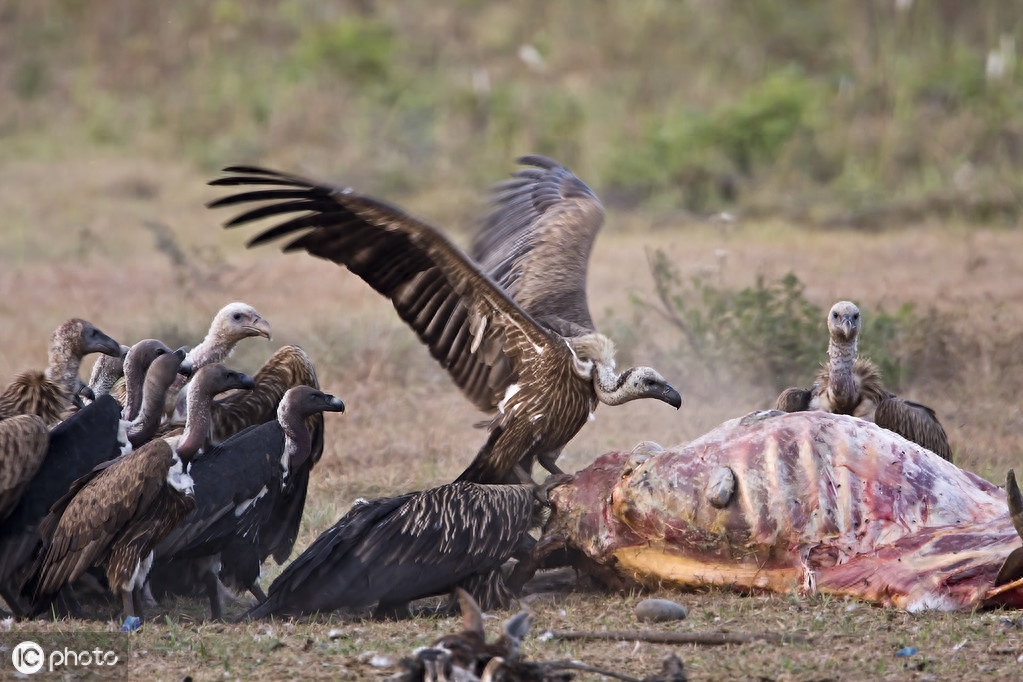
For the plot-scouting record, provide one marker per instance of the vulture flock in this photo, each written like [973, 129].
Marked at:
[169, 473]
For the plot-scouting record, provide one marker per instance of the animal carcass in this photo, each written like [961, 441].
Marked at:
[808, 501]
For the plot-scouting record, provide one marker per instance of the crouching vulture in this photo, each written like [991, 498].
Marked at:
[390, 551]
[238, 486]
[116, 514]
[511, 324]
[849, 384]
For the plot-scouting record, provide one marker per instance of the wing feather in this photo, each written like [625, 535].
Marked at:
[411, 263]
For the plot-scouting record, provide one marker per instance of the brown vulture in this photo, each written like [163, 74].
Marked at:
[115, 515]
[851, 385]
[511, 325]
[51, 393]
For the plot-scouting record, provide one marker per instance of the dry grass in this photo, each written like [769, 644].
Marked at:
[76, 244]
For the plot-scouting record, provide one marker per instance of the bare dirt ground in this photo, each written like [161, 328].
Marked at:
[80, 239]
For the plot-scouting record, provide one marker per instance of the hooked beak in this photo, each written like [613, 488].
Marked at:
[246, 382]
[105, 345]
[334, 404]
[669, 395]
[260, 327]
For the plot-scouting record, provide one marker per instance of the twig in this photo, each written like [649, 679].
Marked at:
[582, 667]
[655, 637]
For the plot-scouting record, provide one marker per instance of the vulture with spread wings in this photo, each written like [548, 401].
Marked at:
[511, 324]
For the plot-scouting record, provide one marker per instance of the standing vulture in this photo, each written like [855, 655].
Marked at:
[115, 516]
[512, 328]
[237, 487]
[852, 385]
[50, 393]
[394, 550]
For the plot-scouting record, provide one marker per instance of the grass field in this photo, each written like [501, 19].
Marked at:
[861, 146]
[91, 254]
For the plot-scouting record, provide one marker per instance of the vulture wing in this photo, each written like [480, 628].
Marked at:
[914, 422]
[537, 240]
[23, 443]
[471, 326]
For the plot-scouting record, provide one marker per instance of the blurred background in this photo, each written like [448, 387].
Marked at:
[759, 160]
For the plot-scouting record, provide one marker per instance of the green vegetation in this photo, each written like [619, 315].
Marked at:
[870, 113]
[770, 334]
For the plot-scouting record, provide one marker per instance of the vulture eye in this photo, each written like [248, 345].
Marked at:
[237, 317]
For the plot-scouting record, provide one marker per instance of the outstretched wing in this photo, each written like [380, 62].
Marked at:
[471, 326]
[537, 240]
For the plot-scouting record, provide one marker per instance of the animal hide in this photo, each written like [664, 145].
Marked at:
[809, 501]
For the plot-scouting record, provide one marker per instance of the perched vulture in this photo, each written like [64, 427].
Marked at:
[237, 487]
[391, 551]
[51, 393]
[852, 385]
[115, 515]
[512, 327]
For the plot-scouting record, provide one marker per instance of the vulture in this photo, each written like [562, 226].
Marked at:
[234, 322]
[511, 325]
[87, 438]
[52, 392]
[237, 487]
[390, 551]
[851, 385]
[115, 515]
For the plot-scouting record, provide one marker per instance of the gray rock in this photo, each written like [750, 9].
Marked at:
[658, 610]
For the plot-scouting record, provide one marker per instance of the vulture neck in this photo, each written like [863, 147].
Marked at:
[216, 347]
[105, 374]
[148, 411]
[611, 387]
[62, 364]
[841, 358]
[298, 442]
[134, 381]
[197, 423]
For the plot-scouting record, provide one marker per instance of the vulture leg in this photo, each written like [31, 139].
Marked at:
[257, 591]
[391, 611]
[212, 584]
[548, 459]
[530, 564]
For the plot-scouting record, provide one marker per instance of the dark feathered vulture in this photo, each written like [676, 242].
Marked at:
[237, 486]
[114, 516]
[50, 393]
[513, 330]
[391, 551]
[852, 385]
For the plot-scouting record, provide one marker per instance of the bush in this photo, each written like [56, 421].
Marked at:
[771, 334]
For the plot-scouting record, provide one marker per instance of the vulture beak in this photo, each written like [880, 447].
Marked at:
[247, 382]
[104, 344]
[334, 404]
[847, 326]
[665, 393]
[260, 327]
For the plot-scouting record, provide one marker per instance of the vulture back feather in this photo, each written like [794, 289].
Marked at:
[23, 442]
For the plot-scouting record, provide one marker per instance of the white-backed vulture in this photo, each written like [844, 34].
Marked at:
[514, 332]
[238, 485]
[851, 385]
[51, 393]
[391, 551]
[115, 515]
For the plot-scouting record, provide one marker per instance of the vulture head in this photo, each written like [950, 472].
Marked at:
[237, 321]
[213, 379]
[646, 382]
[78, 338]
[844, 322]
[299, 403]
[136, 363]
